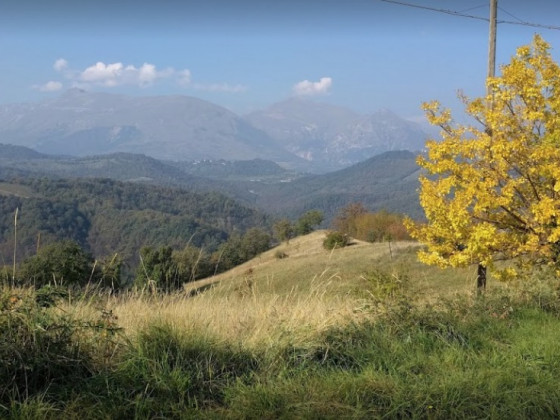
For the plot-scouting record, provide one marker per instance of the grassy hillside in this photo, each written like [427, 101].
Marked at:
[351, 270]
[353, 333]
[11, 189]
[348, 334]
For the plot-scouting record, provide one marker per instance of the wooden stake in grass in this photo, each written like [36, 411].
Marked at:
[15, 247]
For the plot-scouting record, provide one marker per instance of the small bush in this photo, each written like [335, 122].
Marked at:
[386, 284]
[62, 262]
[335, 239]
[280, 255]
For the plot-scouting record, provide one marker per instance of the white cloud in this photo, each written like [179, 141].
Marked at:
[60, 64]
[184, 77]
[146, 74]
[117, 74]
[51, 86]
[221, 87]
[105, 74]
[307, 88]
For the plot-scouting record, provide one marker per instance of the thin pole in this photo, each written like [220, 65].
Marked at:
[481, 270]
[15, 247]
[492, 38]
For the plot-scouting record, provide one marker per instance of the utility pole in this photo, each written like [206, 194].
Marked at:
[481, 271]
[492, 38]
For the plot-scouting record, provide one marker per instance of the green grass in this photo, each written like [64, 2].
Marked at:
[411, 343]
[16, 190]
[420, 364]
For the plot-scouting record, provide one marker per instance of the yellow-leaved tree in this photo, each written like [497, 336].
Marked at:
[491, 190]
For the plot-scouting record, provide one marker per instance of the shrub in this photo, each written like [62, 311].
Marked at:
[335, 239]
[280, 255]
[356, 221]
[62, 262]
[387, 284]
[283, 230]
[307, 222]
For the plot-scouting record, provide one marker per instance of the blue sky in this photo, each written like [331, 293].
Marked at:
[247, 54]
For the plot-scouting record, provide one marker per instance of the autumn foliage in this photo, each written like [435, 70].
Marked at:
[492, 191]
[357, 222]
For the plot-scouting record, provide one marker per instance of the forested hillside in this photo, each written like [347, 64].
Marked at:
[388, 181]
[18, 161]
[107, 217]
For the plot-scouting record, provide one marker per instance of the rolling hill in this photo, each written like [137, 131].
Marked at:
[107, 217]
[387, 181]
[308, 268]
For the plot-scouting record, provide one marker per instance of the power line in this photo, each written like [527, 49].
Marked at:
[461, 14]
[473, 8]
[449, 12]
[508, 13]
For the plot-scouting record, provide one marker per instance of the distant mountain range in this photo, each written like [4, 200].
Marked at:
[297, 134]
[81, 123]
[334, 137]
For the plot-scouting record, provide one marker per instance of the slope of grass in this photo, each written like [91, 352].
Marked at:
[341, 271]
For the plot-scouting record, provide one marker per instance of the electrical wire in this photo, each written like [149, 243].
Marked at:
[461, 14]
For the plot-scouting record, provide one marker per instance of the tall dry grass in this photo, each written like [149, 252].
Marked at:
[248, 316]
[268, 302]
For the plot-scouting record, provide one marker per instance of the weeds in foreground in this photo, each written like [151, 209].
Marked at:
[44, 352]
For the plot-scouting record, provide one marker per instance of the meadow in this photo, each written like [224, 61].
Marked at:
[298, 332]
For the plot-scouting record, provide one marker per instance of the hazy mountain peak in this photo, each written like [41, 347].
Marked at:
[331, 136]
[73, 92]
[176, 127]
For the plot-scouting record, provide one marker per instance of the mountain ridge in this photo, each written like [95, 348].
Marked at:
[297, 133]
[333, 137]
[174, 127]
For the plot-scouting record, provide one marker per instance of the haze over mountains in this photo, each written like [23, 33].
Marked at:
[386, 181]
[333, 136]
[296, 133]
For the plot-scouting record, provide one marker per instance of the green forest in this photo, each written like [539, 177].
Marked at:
[107, 218]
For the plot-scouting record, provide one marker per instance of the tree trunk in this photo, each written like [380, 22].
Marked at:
[481, 278]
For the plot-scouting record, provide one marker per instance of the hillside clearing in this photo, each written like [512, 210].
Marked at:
[310, 290]
[15, 190]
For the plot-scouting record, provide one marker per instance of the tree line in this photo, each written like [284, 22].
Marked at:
[105, 217]
[165, 266]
